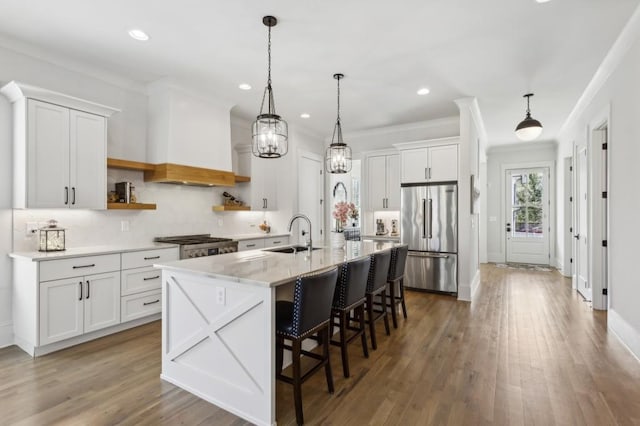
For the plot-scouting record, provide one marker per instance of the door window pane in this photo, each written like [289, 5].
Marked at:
[527, 197]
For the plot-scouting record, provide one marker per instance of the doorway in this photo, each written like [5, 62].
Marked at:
[527, 215]
[311, 192]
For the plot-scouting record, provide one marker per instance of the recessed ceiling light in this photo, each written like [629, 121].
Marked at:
[244, 86]
[305, 115]
[423, 91]
[543, 1]
[139, 35]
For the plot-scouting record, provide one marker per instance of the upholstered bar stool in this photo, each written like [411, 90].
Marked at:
[396, 282]
[349, 298]
[308, 314]
[377, 286]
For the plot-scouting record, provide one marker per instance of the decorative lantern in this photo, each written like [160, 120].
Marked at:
[52, 237]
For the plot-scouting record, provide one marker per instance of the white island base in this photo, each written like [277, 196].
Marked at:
[218, 323]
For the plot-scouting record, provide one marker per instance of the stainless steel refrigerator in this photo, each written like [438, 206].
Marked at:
[429, 225]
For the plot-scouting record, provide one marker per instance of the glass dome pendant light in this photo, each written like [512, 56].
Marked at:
[270, 133]
[338, 158]
[529, 128]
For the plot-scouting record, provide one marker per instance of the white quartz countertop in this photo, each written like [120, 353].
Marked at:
[270, 269]
[37, 256]
[242, 237]
[381, 237]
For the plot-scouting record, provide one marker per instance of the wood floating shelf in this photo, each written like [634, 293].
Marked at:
[115, 163]
[130, 206]
[242, 179]
[231, 208]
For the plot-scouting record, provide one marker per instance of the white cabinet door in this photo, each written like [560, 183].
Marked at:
[414, 165]
[393, 182]
[47, 165]
[377, 182]
[61, 310]
[443, 163]
[101, 301]
[276, 241]
[88, 164]
[264, 183]
[254, 244]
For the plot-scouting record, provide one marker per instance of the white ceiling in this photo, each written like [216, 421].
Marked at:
[495, 50]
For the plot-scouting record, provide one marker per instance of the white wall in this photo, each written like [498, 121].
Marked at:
[521, 153]
[6, 330]
[615, 86]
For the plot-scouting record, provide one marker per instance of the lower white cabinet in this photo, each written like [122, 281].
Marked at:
[141, 305]
[276, 241]
[74, 306]
[265, 242]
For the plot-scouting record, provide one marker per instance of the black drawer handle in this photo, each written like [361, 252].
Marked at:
[151, 278]
[151, 303]
[152, 257]
[277, 242]
[84, 266]
[251, 245]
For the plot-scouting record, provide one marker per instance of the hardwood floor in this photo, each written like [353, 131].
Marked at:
[528, 350]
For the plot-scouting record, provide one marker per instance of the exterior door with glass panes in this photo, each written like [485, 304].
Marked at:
[527, 216]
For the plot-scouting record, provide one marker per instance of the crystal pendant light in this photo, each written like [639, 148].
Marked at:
[270, 132]
[529, 128]
[338, 158]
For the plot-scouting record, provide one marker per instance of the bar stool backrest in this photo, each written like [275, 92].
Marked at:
[398, 261]
[352, 282]
[379, 270]
[312, 299]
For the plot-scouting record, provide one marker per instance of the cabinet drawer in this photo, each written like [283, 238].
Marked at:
[78, 266]
[140, 279]
[140, 259]
[141, 305]
[258, 243]
[276, 241]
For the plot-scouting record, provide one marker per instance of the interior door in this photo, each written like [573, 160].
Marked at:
[310, 194]
[581, 230]
[527, 225]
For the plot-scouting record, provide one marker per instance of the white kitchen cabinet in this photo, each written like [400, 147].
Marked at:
[60, 146]
[276, 241]
[253, 244]
[383, 182]
[264, 184]
[74, 306]
[437, 163]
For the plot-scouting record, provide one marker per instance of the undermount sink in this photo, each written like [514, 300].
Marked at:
[290, 249]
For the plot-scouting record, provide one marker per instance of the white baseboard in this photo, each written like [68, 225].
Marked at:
[466, 292]
[628, 336]
[496, 257]
[6, 334]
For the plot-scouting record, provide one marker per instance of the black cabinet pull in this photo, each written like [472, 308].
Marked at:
[84, 266]
[152, 257]
[151, 303]
[73, 192]
[80, 283]
[251, 245]
[277, 242]
[88, 288]
[66, 195]
[151, 278]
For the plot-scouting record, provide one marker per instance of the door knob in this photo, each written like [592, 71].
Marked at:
[577, 236]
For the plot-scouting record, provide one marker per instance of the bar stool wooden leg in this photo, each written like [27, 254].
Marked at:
[404, 307]
[297, 379]
[279, 353]
[363, 336]
[343, 343]
[372, 324]
[383, 297]
[327, 365]
[394, 310]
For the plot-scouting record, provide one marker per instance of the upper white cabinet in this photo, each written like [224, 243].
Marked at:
[60, 149]
[383, 182]
[264, 174]
[437, 163]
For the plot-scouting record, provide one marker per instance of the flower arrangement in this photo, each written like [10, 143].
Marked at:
[342, 211]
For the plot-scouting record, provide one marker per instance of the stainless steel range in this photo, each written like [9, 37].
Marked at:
[200, 245]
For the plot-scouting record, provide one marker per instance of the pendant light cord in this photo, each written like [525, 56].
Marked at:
[269, 59]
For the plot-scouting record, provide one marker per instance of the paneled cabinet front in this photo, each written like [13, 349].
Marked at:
[437, 163]
[64, 158]
[383, 182]
[264, 174]
[73, 306]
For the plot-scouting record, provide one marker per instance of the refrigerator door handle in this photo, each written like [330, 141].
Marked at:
[430, 217]
[424, 218]
[424, 254]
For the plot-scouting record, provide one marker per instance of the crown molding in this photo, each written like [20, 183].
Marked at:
[428, 124]
[522, 147]
[629, 35]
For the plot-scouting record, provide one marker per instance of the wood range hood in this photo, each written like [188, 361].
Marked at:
[188, 175]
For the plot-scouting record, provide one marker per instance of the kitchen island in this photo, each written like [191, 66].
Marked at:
[218, 322]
